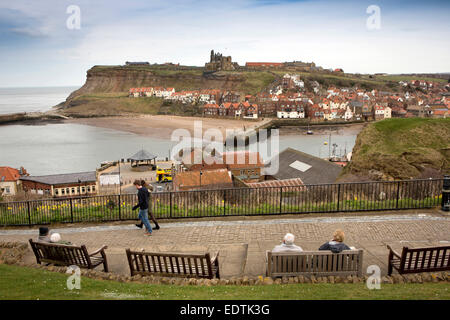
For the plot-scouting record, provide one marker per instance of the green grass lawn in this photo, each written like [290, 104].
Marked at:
[28, 283]
[400, 147]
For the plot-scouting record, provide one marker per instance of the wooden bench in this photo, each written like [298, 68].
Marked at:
[317, 263]
[67, 255]
[173, 264]
[418, 260]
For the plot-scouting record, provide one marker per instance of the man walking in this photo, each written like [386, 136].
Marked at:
[143, 197]
[150, 213]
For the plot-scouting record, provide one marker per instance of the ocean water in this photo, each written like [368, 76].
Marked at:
[15, 100]
[66, 148]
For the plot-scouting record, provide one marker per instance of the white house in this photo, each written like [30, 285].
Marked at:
[290, 111]
[387, 113]
[167, 92]
[348, 114]
[379, 112]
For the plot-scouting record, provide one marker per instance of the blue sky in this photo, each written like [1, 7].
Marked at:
[37, 49]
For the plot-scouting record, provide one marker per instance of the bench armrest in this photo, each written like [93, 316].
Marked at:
[98, 251]
[266, 256]
[214, 258]
[393, 252]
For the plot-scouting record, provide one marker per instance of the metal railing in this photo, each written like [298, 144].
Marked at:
[323, 198]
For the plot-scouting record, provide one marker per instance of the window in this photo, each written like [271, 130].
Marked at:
[67, 190]
[73, 190]
[93, 188]
[83, 189]
[63, 191]
[56, 192]
[88, 189]
[7, 190]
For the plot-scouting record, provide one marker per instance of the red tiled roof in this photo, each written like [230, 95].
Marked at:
[191, 179]
[211, 105]
[263, 64]
[295, 182]
[242, 159]
[9, 174]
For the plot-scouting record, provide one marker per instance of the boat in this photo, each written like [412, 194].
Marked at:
[309, 131]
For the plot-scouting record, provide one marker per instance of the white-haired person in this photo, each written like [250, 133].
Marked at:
[56, 238]
[287, 245]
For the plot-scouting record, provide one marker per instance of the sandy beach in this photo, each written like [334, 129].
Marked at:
[335, 129]
[162, 126]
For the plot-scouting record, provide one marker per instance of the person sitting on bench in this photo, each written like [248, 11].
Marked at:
[44, 234]
[56, 238]
[287, 245]
[337, 244]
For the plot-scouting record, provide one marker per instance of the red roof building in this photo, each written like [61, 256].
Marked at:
[9, 178]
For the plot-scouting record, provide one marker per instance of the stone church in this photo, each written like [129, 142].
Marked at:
[218, 62]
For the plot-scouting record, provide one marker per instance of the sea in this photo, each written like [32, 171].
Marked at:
[55, 148]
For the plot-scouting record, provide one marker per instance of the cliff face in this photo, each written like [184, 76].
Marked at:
[108, 79]
[401, 149]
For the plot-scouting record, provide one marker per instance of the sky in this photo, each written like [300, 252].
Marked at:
[37, 48]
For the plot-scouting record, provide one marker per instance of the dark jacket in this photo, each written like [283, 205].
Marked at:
[143, 198]
[334, 246]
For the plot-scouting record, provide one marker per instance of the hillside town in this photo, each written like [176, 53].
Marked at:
[297, 98]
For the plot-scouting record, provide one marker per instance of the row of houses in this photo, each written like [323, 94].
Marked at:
[245, 110]
[12, 181]
[247, 169]
[207, 96]
[291, 99]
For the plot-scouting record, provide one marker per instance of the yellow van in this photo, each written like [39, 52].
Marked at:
[163, 175]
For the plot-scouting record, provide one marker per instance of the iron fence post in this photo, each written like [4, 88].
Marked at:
[281, 200]
[338, 195]
[29, 214]
[398, 194]
[224, 202]
[445, 201]
[170, 196]
[120, 206]
[71, 210]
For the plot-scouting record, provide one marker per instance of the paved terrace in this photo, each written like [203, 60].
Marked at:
[242, 243]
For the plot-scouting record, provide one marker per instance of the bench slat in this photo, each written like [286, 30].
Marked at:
[314, 263]
[66, 255]
[198, 266]
[421, 260]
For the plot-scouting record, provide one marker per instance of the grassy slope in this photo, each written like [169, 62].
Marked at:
[398, 78]
[112, 104]
[104, 101]
[27, 283]
[402, 148]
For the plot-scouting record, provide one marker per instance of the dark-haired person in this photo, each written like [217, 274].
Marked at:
[44, 234]
[143, 198]
[152, 217]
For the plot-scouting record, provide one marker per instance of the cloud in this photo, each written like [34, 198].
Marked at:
[328, 33]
